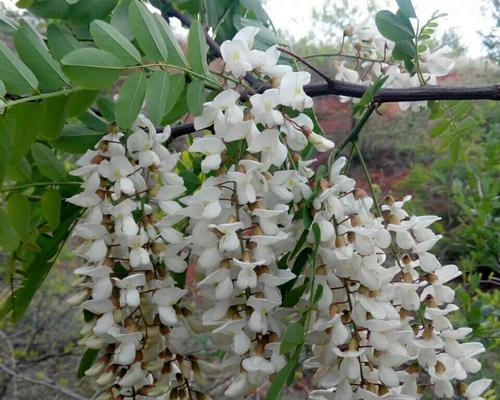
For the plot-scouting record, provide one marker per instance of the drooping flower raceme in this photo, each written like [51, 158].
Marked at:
[282, 257]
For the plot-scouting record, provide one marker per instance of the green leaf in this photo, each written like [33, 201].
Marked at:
[406, 8]
[16, 76]
[130, 100]
[157, 95]
[50, 9]
[120, 19]
[146, 32]
[318, 293]
[61, 41]
[33, 51]
[281, 377]
[19, 171]
[294, 295]
[9, 239]
[177, 83]
[93, 121]
[18, 121]
[195, 96]
[80, 101]
[51, 115]
[317, 239]
[439, 128]
[176, 55]
[393, 27]
[197, 48]
[24, 3]
[76, 139]
[92, 68]
[404, 50]
[298, 266]
[6, 144]
[38, 269]
[83, 12]
[86, 362]
[178, 111]
[294, 336]
[108, 38]
[48, 164]
[461, 108]
[19, 211]
[3, 90]
[51, 207]
[106, 107]
[8, 25]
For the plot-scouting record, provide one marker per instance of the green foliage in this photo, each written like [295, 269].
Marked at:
[92, 68]
[130, 100]
[197, 48]
[33, 51]
[394, 27]
[51, 207]
[46, 161]
[9, 238]
[147, 32]
[16, 76]
[195, 96]
[157, 91]
[108, 38]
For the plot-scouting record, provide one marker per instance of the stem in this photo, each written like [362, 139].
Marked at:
[63, 92]
[374, 197]
[37, 184]
[353, 135]
[306, 63]
[216, 84]
[340, 55]
[368, 177]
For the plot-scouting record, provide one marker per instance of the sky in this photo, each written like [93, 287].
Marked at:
[465, 15]
[295, 17]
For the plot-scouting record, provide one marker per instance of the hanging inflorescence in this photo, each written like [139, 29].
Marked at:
[286, 260]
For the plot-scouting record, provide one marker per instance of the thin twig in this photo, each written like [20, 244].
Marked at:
[48, 384]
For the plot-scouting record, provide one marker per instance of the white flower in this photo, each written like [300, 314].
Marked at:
[268, 143]
[247, 278]
[129, 295]
[241, 342]
[140, 145]
[346, 74]
[129, 343]
[437, 63]
[118, 170]
[236, 52]
[320, 143]
[292, 90]
[164, 299]
[476, 389]
[212, 147]
[263, 108]
[222, 281]
[258, 321]
[258, 369]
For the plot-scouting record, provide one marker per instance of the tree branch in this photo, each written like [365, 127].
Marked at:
[169, 11]
[48, 384]
[338, 88]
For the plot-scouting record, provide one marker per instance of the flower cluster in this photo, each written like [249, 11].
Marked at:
[371, 61]
[272, 245]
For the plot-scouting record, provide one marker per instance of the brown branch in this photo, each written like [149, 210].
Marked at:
[339, 88]
[424, 93]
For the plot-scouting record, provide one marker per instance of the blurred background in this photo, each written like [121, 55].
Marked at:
[39, 355]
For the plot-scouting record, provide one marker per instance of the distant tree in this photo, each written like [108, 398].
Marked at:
[491, 39]
[452, 39]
